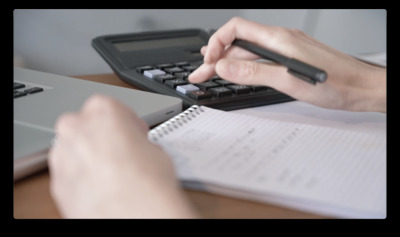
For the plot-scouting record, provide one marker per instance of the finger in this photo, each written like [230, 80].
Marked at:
[247, 72]
[256, 73]
[65, 124]
[203, 73]
[207, 71]
[203, 50]
[97, 103]
[101, 104]
[58, 159]
[237, 52]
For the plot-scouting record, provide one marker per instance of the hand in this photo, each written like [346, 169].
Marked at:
[104, 166]
[351, 84]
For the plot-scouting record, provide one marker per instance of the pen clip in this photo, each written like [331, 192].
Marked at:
[302, 76]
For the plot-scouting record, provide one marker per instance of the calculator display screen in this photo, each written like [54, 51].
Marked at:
[159, 43]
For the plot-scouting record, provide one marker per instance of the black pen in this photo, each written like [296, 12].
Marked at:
[295, 67]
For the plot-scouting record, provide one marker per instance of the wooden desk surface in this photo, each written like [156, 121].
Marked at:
[32, 198]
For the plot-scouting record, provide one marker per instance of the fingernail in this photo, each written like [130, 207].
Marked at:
[199, 74]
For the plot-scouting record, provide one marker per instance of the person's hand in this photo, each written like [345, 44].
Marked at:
[351, 84]
[103, 166]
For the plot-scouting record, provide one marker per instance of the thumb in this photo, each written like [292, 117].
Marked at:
[250, 72]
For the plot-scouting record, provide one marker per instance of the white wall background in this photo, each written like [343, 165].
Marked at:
[58, 41]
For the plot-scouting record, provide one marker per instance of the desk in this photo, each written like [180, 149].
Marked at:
[32, 198]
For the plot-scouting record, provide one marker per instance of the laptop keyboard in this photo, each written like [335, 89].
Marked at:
[21, 89]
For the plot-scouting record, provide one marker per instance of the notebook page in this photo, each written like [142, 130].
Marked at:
[316, 164]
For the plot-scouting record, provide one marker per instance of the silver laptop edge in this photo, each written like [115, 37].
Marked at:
[35, 114]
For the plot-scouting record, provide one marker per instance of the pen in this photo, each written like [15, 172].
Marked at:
[295, 67]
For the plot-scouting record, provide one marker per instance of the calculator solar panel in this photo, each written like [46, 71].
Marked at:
[161, 62]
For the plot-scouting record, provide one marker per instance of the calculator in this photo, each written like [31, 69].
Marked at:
[161, 61]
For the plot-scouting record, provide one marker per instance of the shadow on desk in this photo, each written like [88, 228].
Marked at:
[32, 200]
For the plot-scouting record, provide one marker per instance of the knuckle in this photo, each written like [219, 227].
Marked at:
[284, 34]
[276, 37]
[97, 100]
[291, 35]
[296, 32]
[250, 69]
[99, 103]
[65, 122]
[236, 20]
[284, 40]
[65, 119]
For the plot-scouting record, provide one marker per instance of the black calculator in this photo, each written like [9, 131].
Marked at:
[161, 61]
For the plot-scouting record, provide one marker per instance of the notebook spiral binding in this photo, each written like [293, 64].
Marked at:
[175, 122]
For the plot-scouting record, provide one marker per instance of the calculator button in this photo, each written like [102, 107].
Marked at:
[239, 89]
[182, 75]
[185, 89]
[207, 85]
[216, 77]
[144, 68]
[223, 82]
[174, 70]
[165, 65]
[175, 82]
[181, 64]
[200, 95]
[153, 73]
[163, 78]
[260, 88]
[190, 68]
[221, 91]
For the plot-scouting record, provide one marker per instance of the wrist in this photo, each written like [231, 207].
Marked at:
[375, 96]
[362, 86]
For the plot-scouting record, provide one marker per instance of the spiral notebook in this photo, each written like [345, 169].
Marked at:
[328, 171]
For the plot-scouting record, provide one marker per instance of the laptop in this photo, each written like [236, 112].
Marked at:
[40, 98]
